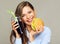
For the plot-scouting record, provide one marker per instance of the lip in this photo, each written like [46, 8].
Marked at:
[30, 19]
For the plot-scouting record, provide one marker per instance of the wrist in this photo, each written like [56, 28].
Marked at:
[31, 38]
[17, 35]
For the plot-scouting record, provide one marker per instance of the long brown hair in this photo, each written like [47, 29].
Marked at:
[18, 13]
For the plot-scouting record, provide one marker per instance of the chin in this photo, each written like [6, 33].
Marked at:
[29, 24]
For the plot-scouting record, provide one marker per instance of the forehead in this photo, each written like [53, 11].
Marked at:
[26, 9]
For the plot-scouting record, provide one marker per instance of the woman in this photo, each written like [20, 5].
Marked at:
[25, 11]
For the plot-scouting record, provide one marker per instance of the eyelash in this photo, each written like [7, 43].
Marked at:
[29, 12]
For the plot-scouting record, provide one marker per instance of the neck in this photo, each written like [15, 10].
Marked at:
[29, 28]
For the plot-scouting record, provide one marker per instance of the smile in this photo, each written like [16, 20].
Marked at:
[29, 20]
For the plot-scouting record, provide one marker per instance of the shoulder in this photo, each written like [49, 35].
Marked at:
[47, 29]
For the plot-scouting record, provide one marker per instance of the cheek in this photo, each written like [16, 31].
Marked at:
[24, 19]
[33, 14]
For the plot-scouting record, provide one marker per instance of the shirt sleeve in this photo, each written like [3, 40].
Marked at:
[46, 37]
[18, 41]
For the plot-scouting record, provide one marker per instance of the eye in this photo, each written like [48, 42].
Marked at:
[29, 12]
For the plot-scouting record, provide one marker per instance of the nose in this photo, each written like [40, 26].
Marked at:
[29, 16]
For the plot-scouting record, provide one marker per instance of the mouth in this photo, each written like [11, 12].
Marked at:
[30, 19]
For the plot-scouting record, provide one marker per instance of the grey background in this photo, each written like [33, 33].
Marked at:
[48, 10]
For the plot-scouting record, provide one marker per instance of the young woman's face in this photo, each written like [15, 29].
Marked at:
[27, 15]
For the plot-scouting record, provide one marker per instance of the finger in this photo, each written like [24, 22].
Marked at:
[41, 28]
[38, 28]
[16, 27]
[13, 22]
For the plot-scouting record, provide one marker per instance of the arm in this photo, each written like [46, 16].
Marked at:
[18, 38]
[14, 28]
[46, 37]
[18, 41]
[43, 38]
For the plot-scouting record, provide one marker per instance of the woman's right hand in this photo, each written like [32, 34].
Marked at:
[14, 28]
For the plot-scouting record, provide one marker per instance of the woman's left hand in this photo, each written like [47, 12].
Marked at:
[37, 31]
